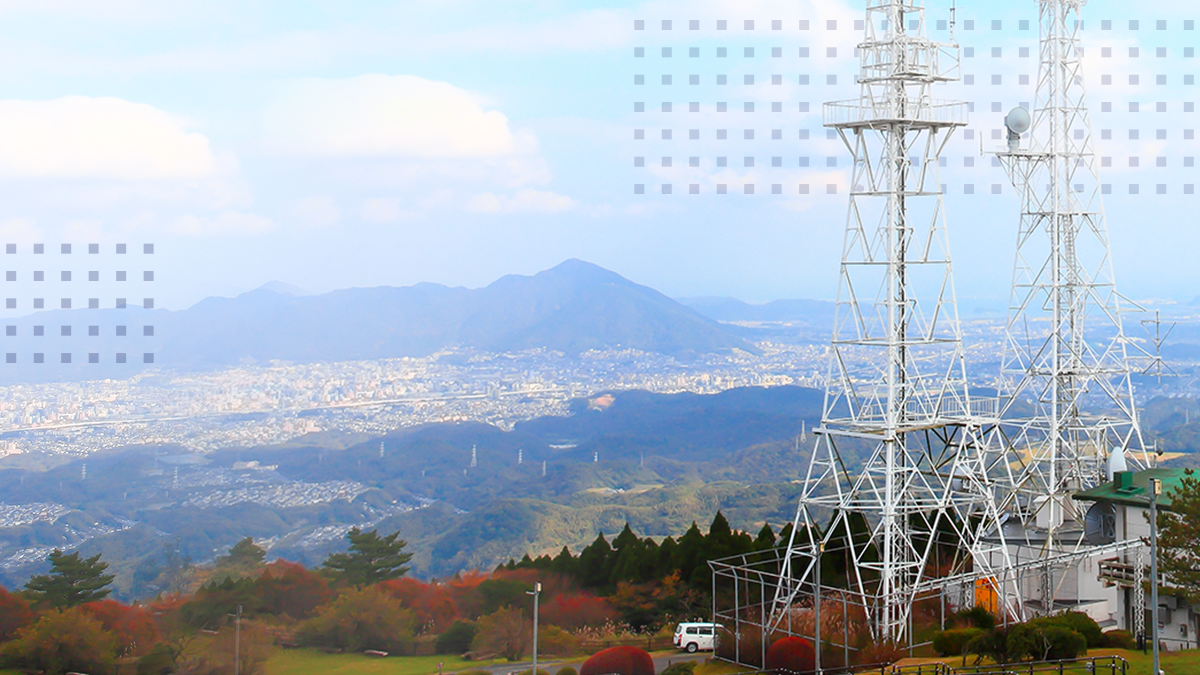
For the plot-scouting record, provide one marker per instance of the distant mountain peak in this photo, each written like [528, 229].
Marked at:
[283, 288]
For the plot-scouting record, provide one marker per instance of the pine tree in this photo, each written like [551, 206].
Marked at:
[1179, 537]
[371, 558]
[245, 553]
[72, 581]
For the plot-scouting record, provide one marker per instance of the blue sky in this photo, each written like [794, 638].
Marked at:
[334, 144]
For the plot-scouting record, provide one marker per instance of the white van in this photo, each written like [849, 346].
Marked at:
[696, 637]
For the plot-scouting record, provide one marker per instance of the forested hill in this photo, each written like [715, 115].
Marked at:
[656, 461]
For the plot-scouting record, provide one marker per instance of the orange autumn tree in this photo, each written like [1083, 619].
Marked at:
[288, 588]
[431, 603]
[132, 625]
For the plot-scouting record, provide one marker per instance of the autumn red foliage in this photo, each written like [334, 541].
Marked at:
[791, 654]
[576, 610]
[431, 603]
[14, 614]
[619, 660]
[133, 625]
[288, 588]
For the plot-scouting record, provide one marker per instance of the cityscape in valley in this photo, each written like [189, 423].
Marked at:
[266, 404]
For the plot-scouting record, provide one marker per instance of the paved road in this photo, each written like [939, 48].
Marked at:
[661, 660]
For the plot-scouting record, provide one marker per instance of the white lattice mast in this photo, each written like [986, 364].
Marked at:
[1070, 400]
[897, 386]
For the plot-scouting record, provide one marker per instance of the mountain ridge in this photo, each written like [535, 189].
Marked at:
[573, 307]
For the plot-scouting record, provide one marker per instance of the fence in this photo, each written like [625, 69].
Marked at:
[649, 643]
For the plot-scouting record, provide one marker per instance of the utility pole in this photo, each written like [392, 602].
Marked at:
[1155, 491]
[237, 642]
[536, 592]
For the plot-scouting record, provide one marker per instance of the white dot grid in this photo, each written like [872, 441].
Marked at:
[40, 277]
[786, 136]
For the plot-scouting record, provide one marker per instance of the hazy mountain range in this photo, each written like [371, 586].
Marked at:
[573, 307]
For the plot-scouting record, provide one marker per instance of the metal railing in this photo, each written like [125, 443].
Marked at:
[864, 111]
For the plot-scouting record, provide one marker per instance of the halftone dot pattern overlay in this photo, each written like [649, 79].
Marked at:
[57, 297]
[734, 106]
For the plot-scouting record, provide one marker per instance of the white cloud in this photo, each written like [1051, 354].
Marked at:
[381, 210]
[317, 211]
[108, 138]
[389, 116]
[524, 201]
[224, 223]
[21, 231]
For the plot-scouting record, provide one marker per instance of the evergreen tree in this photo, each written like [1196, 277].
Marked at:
[647, 567]
[371, 558]
[666, 558]
[1179, 537]
[626, 557]
[565, 563]
[689, 553]
[72, 581]
[765, 539]
[245, 553]
[593, 563]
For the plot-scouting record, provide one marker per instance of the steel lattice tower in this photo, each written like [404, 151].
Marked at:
[897, 387]
[1069, 400]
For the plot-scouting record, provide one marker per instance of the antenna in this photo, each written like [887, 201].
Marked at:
[1158, 368]
[474, 457]
[520, 456]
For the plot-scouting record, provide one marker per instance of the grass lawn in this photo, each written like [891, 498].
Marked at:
[1172, 663]
[312, 662]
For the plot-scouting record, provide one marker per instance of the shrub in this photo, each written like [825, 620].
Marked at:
[567, 670]
[681, 668]
[976, 617]
[792, 654]
[1118, 639]
[1044, 641]
[1080, 623]
[504, 632]
[992, 644]
[556, 641]
[62, 641]
[358, 620]
[619, 661]
[953, 641]
[158, 661]
[457, 638]
[133, 626]
[14, 614]
[881, 653]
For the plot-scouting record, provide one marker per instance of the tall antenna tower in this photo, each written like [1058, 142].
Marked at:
[1069, 400]
[474, 457]
[897, 385]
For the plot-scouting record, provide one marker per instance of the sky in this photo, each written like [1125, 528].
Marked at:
[335, 144]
